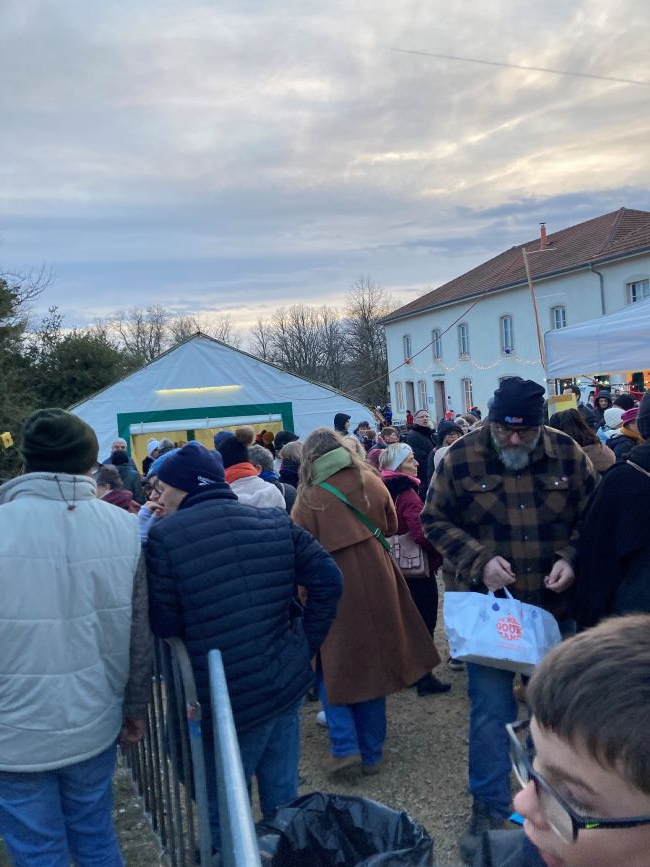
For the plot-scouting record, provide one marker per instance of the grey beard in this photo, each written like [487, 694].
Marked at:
[515, 457]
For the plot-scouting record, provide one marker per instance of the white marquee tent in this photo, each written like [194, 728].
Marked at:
[202, 386]
[617, 342]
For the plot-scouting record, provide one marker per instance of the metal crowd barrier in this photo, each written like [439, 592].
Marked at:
[235, 820]
[168, 766]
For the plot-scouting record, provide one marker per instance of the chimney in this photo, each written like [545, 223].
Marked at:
[542, 236]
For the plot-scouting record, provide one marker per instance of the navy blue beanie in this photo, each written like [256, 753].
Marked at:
[191, 467]
[518, 402]
[220, 436]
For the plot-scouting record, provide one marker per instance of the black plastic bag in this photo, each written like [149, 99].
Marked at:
[320, 830]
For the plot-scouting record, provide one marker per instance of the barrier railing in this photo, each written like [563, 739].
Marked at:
[168, 767]
[236, 823]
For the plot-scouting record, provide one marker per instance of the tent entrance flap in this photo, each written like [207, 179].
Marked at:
[201, 430]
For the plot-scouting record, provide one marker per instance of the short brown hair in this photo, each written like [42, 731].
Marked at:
[387, 431]
[594, 689]
[109, 476]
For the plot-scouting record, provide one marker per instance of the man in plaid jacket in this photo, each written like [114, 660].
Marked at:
[503, 509]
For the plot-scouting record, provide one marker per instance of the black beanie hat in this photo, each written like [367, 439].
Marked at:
[56, 441]
[446, 427]
[643, 418]
[191, 467]
[283, 437]
[339, 421]
[234, 449]
[518, 402]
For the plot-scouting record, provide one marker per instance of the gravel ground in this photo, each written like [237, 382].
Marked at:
[426, 769]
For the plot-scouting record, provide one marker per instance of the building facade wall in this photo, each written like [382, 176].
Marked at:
[456, 380]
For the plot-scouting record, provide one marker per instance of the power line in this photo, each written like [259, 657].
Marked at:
[521, 66]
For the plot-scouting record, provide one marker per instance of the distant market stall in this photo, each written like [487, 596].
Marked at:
[617, 343]
[203, 386]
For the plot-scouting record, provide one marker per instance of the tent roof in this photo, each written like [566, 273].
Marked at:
[203, 378]
[617, 342]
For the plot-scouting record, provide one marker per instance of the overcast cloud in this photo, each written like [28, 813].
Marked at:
[238, 156]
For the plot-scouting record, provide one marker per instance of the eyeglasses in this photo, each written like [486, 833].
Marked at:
[562, 818]
[525, 433]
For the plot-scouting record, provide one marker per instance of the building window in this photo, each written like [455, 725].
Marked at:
[422, 393]
[507, 338]
[406, 341]
[463, 340]
[399, 397]
[558, 317]
[468, 394]
[638, 290]
[436, 344]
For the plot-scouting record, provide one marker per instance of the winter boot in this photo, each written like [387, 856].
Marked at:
[482, 820]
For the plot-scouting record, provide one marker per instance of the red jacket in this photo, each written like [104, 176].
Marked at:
[408, 505]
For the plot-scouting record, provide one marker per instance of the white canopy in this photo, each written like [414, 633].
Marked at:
[202, 385]
[609, 344]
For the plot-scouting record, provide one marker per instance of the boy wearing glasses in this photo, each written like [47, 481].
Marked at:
[583, 759]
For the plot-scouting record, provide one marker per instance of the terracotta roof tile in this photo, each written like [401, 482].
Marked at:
[610, 235]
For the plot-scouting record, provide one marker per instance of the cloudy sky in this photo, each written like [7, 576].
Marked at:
[239, 156]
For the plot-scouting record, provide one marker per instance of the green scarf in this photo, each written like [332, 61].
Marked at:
[331, 463]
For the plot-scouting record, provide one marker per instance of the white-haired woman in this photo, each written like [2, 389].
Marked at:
[378, 643]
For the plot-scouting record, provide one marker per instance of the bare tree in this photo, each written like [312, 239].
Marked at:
[223, 328]
[261, 342]
[347, 352]
[366, 305]
[333, 348]
[220, 327]
[303, 340]
[183, 327]
[143, 333]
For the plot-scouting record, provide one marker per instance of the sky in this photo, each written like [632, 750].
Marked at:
[236, 157]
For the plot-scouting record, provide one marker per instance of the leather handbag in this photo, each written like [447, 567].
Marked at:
[409, 556]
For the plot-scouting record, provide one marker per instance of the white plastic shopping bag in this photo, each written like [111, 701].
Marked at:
[501, 633]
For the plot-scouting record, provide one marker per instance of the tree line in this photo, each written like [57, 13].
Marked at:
[46, 364]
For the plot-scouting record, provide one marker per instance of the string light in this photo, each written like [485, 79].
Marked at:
[435, 367]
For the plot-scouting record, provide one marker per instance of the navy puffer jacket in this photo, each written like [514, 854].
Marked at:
[222, 575]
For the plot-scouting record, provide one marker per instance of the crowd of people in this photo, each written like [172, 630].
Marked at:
[313, 565]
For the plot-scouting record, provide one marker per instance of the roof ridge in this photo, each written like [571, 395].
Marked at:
[568, 248]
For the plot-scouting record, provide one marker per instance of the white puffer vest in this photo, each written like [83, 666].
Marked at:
[66, 583]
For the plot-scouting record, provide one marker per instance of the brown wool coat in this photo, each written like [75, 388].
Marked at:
[378, 643]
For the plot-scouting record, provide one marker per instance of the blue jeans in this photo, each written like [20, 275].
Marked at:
[492, 706]
[356, 728]
[49, 818]
[271, 751]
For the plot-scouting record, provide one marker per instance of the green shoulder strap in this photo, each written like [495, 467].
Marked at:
[376, 532]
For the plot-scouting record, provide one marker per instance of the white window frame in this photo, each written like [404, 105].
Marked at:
[463, 340]
[632, 290]
[436, 344]
[407, 347]
[554, 317]
[399, 396]
[507, 333]
[467, 393]
[422, 394]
